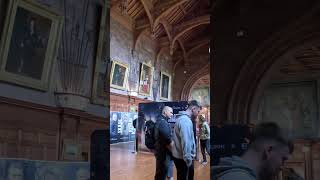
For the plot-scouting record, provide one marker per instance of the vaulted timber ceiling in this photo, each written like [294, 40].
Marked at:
[180, 27]
[306, 61]
[202, 82]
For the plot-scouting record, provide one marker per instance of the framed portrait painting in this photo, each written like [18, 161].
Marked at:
[119, 75]
[165, 86]
[29, 44]
[145, 80]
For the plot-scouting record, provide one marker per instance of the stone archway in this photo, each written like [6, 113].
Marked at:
[259, 66]
[192, 80]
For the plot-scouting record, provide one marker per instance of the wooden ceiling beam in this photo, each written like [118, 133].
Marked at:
[202, 40]
[137, 12]
[183, 10]
[133, 8]
[142, 23]
[197, 20]
[187, 26]
[201, 44]
[137, 36]
[183, 50]
[168, 28]
[148, 6]
[131, 4]
[165, 12]
[164, 42]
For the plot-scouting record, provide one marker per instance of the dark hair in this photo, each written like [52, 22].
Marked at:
[194, 103]
[270, 131]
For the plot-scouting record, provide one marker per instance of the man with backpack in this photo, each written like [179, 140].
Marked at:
[158, 140]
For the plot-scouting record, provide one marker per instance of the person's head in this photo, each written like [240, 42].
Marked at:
[271, 147]
[201, 119]
[194, 108]
[167, 112]
[15, 172]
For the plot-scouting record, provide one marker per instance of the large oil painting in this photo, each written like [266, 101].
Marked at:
[165, 86]
[30, 44]
[119, 75]
[145, 84]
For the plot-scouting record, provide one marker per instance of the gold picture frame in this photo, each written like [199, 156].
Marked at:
[146, 78]
[165, 86]
[29, 46]
[119, 75]
[101, 72]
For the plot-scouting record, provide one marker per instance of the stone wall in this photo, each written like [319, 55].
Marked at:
[122, 50]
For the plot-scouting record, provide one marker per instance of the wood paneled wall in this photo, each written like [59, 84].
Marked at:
[122, 103]
[37, 132]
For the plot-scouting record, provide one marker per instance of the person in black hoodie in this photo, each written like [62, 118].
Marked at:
[163, 143]
[267, 152]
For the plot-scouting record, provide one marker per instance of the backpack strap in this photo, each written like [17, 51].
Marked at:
[156, 131]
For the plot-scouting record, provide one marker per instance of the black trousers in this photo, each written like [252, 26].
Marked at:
[162, 164]
[183, 171]
[204, 146]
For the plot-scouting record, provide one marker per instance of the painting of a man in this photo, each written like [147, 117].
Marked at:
[165, 86]
[28, 46]
[119, 74]
[145, 82]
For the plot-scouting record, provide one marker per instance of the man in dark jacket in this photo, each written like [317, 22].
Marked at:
[163, 143]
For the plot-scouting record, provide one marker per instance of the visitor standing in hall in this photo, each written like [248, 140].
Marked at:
[204, 138]
[184, 148]
[163, 143]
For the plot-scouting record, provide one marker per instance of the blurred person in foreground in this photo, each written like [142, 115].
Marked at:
[263, 159]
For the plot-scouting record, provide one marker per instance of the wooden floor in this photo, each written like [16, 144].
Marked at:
[126, 165]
